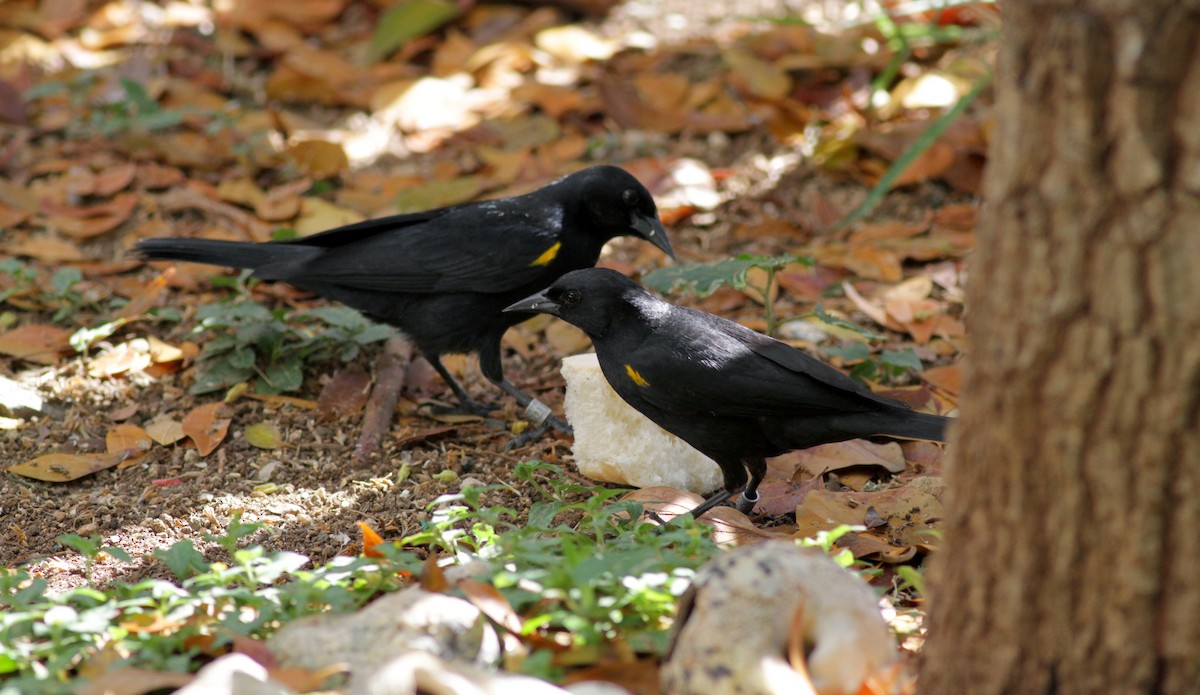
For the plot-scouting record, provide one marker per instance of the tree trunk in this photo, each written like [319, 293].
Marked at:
[1071, 561]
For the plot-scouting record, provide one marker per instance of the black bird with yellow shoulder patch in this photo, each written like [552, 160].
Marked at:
[444, 277]
[735, 395]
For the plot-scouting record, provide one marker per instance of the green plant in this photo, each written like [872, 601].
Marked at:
[603, 578]
[61, 293]
[45, 637]
[705, 278]
[91, 550]
[136, 112]
[274, 345]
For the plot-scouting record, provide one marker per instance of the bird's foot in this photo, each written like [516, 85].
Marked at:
[538, 413]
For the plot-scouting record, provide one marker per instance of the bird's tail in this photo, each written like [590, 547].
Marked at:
[899, 423]
[231, 254]
[914, 425]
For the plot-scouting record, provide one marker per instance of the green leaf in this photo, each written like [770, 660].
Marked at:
[88, 547]
[64, 279]
[541, 514]
[182, 559]
[116, 553]
[901, 359]
[854, 352]
[339, 316]
[406, 21]
[282, 376]
[217, 375]
[374, 333]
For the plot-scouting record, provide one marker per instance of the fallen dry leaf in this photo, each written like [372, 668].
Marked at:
[263, 435]
[206, 429]
[318, 159]
[948, 378]
[61, 468]
[130, 356]
[839, 455]
[276, 399]
[165, 430]
[131, 441]
[35, 342]
[345, 394]
[44, 248]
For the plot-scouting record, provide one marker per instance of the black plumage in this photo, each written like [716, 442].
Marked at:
[445, 276]
[735, 395]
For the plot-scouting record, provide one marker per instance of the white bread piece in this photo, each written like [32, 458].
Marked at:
[617, 444]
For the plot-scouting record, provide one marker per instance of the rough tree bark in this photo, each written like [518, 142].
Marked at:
[1071, 561]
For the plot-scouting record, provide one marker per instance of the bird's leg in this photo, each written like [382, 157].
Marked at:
[535, 411]
[749, 496]
[468, 404]
[717, 498]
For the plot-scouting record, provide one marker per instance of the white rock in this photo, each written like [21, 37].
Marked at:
[747, 606]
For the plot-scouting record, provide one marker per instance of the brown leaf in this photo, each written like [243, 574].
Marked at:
[91, 220]
[61, 468]
[492, 603]
[318, 159]
[317, 215]
[876, 312]
[432, 577]
[11, 217]
[276, 399]
[123, 413]
[948, 378]
[206, 429]
[902, 515]
[130, 441]
[282, 202]
[345, 394]
[114, 178]
[759, 77]
[156, 177]
[839, 455]
[35, 342]
[44, 248]
[130, 356]
[165, 430]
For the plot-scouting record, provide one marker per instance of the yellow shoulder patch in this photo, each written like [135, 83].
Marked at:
[637, 378]
[547, 256]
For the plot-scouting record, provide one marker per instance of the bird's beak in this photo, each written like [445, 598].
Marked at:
[651, 229]
[537, 304]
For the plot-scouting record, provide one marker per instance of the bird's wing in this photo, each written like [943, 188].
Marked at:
[478, 248]
[704, 364]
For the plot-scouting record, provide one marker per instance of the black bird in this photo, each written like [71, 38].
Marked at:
[444, 277]
[735, 395]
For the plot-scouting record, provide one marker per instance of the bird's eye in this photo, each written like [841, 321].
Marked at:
[571, 297]
[629, 197]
